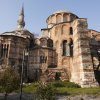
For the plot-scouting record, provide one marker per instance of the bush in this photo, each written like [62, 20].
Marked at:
[72, 85]
[58, 84]
[45, 92]
[9, 80]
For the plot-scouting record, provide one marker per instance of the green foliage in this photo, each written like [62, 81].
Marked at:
[57, 76]
[9, 80]
[65, 84]
[58, 84]
[72, 85]
[45, 92]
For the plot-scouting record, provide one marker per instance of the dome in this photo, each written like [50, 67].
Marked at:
[61, 11]
[20, 33]
[60, 17]
[37, 41]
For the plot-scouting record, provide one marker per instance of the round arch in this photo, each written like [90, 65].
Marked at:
[58, 18]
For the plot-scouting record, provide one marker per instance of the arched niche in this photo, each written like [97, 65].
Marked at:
[58, 18]
[65, 17]
[53, 19]
[57, 30]
[49, 20]
[56, 44]
[64, 29]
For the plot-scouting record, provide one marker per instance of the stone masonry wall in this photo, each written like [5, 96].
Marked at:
[82, 72]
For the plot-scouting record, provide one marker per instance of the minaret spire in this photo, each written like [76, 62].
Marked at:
[21, 22]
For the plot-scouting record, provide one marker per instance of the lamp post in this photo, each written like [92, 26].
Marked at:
[26, 66]
[25, 53]
[21, 77]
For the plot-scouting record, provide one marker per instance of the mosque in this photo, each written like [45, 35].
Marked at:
[66, 49]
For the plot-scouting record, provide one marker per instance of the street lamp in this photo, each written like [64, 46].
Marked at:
[25, 53]
[21, 77]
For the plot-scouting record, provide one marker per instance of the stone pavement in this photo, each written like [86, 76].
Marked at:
[79, 97]
[16, 96]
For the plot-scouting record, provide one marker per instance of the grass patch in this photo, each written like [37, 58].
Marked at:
[78, 91]
[65, 84]
[30, 88]
[62, 88]
[65, 88]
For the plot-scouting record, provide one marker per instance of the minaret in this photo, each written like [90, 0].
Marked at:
[21, 22]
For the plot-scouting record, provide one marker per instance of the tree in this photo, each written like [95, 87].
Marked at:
[9, 80]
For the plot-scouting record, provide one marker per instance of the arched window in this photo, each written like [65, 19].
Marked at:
[7, 50]
[71, 30]
[71, 48]
[49, 43]
[43, 59]
[1, 50]
[58, 18]
[66, 48]
[4, 49]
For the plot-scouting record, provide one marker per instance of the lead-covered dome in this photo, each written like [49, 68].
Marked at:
[20, 33]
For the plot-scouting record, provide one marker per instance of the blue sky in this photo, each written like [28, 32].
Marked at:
[37, 11]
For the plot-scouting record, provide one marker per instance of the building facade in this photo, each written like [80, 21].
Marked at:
[66, 47]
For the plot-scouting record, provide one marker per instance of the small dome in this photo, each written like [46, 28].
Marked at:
[37, 41]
